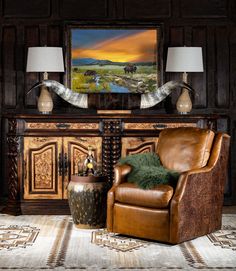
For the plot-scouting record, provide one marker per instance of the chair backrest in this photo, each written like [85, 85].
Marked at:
[185, 148]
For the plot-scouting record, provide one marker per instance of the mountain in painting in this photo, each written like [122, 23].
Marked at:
[90, 61]
[93, 61]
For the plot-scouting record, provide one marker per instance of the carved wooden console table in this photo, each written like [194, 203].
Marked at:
[44, 151]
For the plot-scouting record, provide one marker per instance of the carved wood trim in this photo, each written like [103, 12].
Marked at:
[155, 125]
[61, 126]
[134, 145]
[12, 125]
[111, 146]
[13, 152]
[112, 126]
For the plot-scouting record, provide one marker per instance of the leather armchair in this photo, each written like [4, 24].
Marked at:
[180, 211]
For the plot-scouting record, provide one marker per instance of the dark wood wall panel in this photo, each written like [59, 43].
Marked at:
[26, 8]
[83, 9]
[54, 38]
[150, 9]
[204, 9]
[233, 67]
[232, 9]
[32, 38]
[210, 66]
[222, 55]
[198, 79]
[9, 67]
[1, 66]
[20, 65]
[176, 38]
[1, 103]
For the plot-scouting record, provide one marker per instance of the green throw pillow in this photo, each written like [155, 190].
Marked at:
[147, 170]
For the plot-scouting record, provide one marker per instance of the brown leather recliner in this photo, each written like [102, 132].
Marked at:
[174, 213]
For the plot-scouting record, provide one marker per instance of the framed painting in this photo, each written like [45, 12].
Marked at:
[114, 60]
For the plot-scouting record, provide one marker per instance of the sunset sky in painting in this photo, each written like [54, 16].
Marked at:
[116, 45]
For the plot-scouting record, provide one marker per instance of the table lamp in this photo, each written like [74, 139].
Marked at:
[45, 59]
[184, 59]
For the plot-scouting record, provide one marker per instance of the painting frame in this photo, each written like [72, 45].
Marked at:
[114, 100]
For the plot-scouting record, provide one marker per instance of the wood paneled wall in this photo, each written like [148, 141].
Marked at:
[209, 24]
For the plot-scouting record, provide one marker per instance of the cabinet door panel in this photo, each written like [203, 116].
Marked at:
[76, 149]
[41, 176]
[133, 145]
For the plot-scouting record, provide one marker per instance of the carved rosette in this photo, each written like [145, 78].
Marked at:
[111, 146]
[13, 151]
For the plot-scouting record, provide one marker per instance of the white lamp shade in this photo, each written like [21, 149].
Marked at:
[45, 59]
[184, 59]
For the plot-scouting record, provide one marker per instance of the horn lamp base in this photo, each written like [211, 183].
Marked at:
[45, 102]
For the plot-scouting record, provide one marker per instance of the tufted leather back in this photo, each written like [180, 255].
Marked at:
[185, 148]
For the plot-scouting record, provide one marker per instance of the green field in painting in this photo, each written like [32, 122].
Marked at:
[112, 78]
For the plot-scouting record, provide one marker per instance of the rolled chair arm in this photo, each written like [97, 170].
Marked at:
[121, 172]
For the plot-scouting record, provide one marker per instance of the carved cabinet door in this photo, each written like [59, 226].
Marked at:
[75, 150]
[42, 168]
[133, 145]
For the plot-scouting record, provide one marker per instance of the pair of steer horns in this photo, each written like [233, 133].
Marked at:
[82, 100]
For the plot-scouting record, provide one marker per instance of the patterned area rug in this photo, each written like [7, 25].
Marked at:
[14, 236]
[53, 243]
[117, 242]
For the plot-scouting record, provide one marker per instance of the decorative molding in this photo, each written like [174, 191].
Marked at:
[36, 140]
[155, 126]
[61, 126]
[134, 145]
[114, 112]
[112, 126]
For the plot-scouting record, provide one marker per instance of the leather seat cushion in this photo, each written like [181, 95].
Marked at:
[157, 197]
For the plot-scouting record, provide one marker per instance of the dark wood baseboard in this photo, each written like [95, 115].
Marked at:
[36, 207]
[47, 207]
